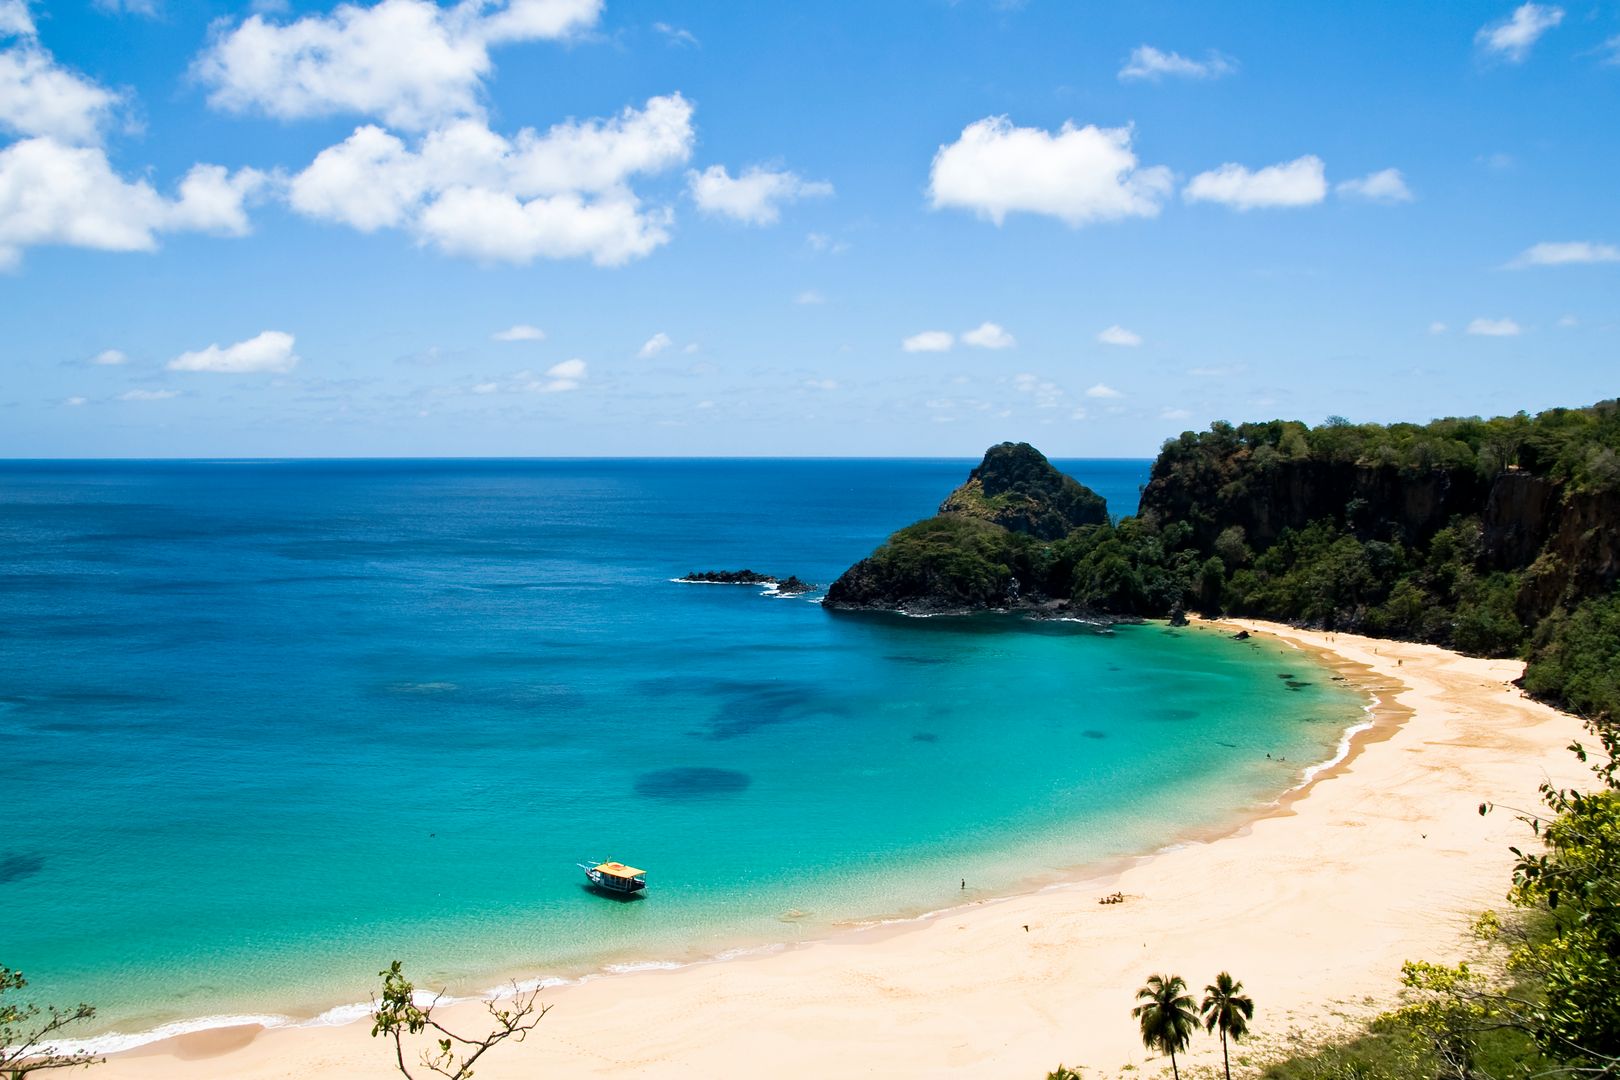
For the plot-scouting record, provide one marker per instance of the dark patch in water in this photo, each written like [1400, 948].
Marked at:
[15, 867]
[1173, 714]
[1284, 675]
[691, 782]
[1115, 667]
[1092, 733]
[925, 736]
[917, 659]
[1296, 684]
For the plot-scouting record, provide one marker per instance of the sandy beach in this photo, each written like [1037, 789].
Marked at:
[1314, 905]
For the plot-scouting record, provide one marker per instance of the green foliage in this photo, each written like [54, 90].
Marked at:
[1063, 1072]
[397, 1014]
[1166, 1016]
[1228, 1009]
[28, 1030]
[1576, 658]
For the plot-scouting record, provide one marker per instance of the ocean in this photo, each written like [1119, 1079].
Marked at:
[266, 726]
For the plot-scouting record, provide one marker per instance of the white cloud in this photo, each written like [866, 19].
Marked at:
[1118, 335]
[1494, 328]
[821, 384]
[56, 194]
[1300, 182]
[1047, 394]
[1079, 175]
[1146, 62]
[753, 198]
[1437, 328]
[469, 191]
[520, 332]
[40, 97]
[1175, 414]
[75, 402]
[148, 395]
[1102, 390]
[989, 336]
[146, 8]
[1566, 254]
[810, 296]
[1612, 45]
[1512, 37]
[1567, 321]
[15, 20]
[486, 388]
[677, 35]
[411, 63]
[559, 377]
[1383, 186]
[823, 243]
[109, 357]
[929, 341]
[271, 350]
[655, 345]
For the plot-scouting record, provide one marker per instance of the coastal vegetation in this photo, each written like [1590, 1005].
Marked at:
[29, 1033]
[1166, 1016]
[1496, 537]
[398, 1014]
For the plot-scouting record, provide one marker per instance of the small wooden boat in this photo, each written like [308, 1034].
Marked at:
[615, 877]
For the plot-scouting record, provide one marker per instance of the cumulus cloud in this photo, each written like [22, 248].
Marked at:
[1383, 186]
[15, 21]
[1118, 335]
[270, 351]
[411, 63]
[468, 191]
[51, 193]
[655, 345]
[1078, 175]
[520, 332]
[109, 357]
[1567, 253]
[559, 378]
[1301, 182]
[1102, 390]
[989, 336]
[1494, 328]
[1512, 38]
[753, 198]
[929, 341]
[39, 97]
[1152, 64]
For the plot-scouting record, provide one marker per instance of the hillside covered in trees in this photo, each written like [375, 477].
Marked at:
[1496, 537]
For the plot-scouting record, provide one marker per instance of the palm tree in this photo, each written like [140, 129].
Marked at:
[1167, 1016]
[1227, 1007]
[1063, 1072]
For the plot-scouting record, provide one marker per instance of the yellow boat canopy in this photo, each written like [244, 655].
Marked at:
[618, 870]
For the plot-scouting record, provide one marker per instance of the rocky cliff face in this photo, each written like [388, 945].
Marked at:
[1017, 488]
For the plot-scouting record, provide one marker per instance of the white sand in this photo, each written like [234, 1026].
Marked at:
[1314, 906]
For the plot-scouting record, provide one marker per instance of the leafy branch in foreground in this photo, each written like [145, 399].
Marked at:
[396, 1015]
[27, 1033]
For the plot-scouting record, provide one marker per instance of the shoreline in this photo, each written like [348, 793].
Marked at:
[1056, 918]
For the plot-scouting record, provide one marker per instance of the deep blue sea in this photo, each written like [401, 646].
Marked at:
[266, 726]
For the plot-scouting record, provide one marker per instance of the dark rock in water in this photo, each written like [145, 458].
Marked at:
[692, 782]
[1285, 675]
[792, 585]
[1091, 734]
[925, 736]
[1178, 614]
[14, 867]
[730, 577]
[1241, 635]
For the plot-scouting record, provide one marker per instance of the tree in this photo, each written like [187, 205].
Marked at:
[28, 1034]
[1228, 1008]
[1063, 1072]
[1167, 1016]
[397, 1014]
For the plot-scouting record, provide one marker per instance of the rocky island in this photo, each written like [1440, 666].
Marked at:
[986, 549]
[792, 585]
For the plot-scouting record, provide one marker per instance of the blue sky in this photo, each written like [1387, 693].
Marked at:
[557, 227]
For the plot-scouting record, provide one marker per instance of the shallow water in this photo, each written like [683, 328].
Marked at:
[267, 726]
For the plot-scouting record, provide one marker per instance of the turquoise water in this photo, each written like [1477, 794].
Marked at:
[267, 726]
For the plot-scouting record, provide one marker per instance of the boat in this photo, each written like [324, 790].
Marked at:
[615, 877]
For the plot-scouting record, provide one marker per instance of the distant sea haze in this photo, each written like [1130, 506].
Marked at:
[268, 726]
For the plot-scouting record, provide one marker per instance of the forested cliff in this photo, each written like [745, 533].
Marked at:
[1496, 537]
